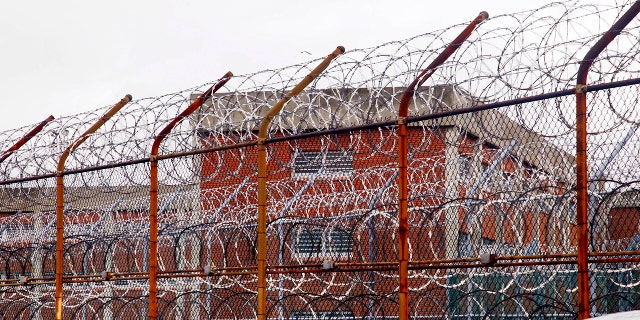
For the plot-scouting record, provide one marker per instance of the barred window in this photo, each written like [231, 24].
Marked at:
[13, 231]
[322, 163]
[323, 244]
[321, 315]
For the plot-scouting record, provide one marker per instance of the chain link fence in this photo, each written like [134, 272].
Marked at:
[491, 229]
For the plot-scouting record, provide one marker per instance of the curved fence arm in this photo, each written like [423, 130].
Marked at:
[91, 130]
[189, 110]
[25, 138]
[440, 59]
[60, 197]
[262, 178]
[275, 109]
[581, 157]
[153, 193]
[403, 151]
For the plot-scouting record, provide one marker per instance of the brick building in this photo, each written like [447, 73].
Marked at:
[479, 183]
[332, 198]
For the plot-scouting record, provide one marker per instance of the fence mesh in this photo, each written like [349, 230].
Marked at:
[492, 193]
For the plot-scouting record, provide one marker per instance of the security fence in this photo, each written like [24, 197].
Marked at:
[442, 176]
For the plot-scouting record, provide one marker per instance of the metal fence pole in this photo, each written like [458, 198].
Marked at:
[262, 179]
[153, 192]
[25, 138]
[403, 153]
[581, 157]
[60, 197]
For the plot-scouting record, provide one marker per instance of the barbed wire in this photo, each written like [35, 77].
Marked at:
[509, 190]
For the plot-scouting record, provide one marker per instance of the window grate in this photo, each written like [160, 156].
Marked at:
[322, 315]
[318, 243]
[324, 163]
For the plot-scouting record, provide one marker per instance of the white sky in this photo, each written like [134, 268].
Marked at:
[66, 57]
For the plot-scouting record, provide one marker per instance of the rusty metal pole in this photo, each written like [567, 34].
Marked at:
[403, 154]
[581, 157]
[153, 192]
[262, 179]
[60, 197]
[25, 138]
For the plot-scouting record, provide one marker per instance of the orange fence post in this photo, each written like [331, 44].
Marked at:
[262, 178]
[25, 138]
[403, 154]
[153, 193]
[581, 157]
[60, 197]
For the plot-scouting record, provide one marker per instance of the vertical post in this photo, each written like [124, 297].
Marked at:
[582, 199]
[25, 138]
[36, 262]
[60, 197]
[403, 218]
[262, 178]
[581, 157]
[153, 192]
[403, 154]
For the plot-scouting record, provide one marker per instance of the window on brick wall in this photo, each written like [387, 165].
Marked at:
[321, 315]
[311, 243]
[326, 163]
[464, 168]
[14, 230]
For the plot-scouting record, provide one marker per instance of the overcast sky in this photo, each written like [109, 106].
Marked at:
[66, 57]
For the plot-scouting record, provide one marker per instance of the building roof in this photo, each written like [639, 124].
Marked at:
[344, 107]
[98, 198]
